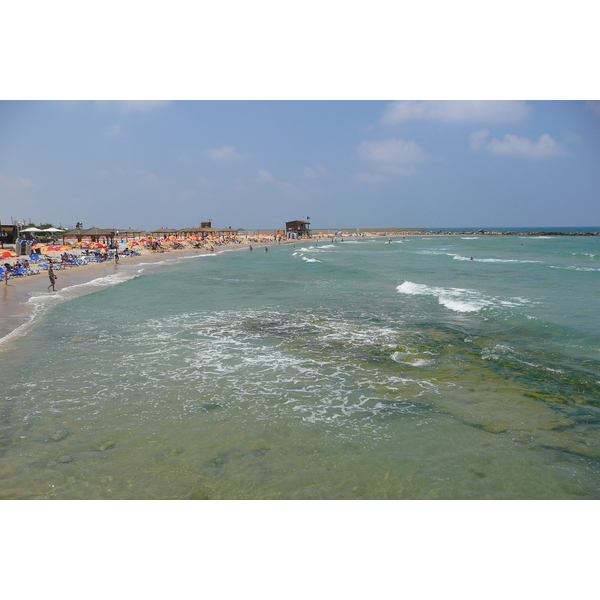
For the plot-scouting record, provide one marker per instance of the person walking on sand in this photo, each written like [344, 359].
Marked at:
[52, 277]
[117, 256]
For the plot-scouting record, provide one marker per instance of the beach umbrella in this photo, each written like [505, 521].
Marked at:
[38, 245]
[7, 254]
[30, 230]
[132, 243]
[96, 245]
[54, 248]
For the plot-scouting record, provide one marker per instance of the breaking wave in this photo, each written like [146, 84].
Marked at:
[458, 299]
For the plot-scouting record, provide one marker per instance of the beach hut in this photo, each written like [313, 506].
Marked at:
[207, 232]
[163, 232]
[94, 233]
[227, 232]
[300, 228]
[127, 233]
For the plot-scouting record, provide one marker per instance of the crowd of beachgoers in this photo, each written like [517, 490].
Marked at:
[43, 257]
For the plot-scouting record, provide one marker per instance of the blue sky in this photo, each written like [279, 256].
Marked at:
[256, 164]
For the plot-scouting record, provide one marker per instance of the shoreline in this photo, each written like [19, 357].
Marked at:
[17, 311]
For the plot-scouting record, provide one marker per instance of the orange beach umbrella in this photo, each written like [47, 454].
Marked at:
[55, 248]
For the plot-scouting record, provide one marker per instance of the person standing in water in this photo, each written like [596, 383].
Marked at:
[52, 277]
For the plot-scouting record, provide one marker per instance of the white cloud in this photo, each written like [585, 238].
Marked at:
[391, 157]
[456, 111]
[310, 173]
[392, 152]
[478, 138]
[513, 145]
[224, 153]
[369, 177]
[129, 106]
[594, 106]
[114, 131]
[15, 183]
[264, 177]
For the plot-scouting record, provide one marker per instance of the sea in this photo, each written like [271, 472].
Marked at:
[418, 367]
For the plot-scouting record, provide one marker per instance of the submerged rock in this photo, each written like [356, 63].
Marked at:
[65, 458]
[260, 451]
[106, 445]
[59, 434]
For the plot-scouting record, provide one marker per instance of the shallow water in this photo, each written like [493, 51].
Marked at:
[361, 369]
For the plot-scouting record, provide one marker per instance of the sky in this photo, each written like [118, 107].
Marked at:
[344, 164]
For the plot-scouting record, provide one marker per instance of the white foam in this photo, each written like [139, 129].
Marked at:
[572, 268]
[458, 299]
[492, 260]
[311, 260]
[41, 302]
[404, 358]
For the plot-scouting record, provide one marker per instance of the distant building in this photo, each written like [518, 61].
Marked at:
[300, 228]
[206, 224]
[8, 234]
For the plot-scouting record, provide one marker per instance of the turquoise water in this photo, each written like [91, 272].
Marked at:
[361, 369]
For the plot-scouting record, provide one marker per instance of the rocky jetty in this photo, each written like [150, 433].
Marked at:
[523, 233]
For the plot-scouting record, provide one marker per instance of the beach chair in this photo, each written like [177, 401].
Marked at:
[78, 260]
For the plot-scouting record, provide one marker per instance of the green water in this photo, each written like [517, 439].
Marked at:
[344, 371]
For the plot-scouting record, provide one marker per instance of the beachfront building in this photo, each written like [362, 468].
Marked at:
[299, 228]
[8, 234]
[227, 232]
[163, 232]
[127, 233]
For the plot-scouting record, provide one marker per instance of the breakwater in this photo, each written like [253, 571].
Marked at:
[523, 233]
